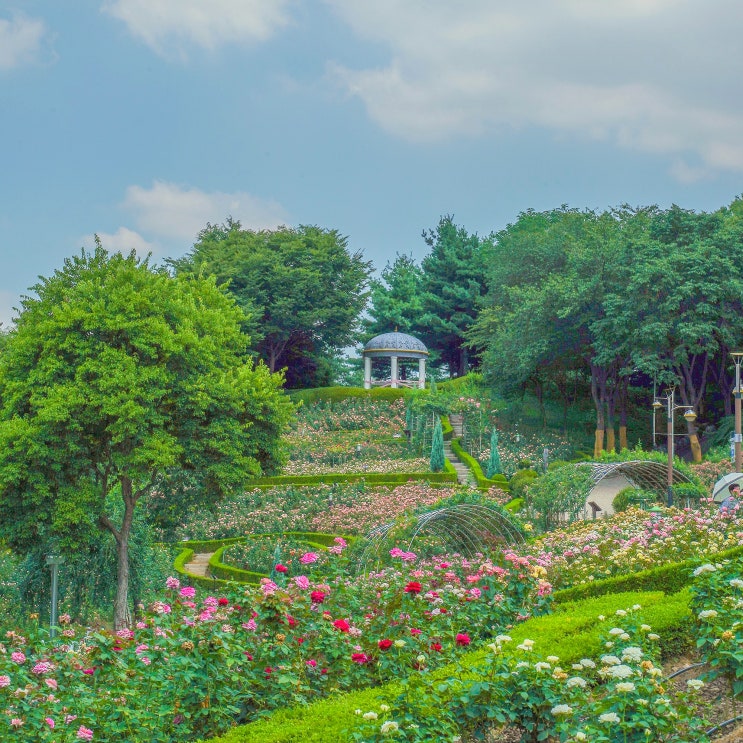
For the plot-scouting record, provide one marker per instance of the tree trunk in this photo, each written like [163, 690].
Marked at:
[598, 386]
[463, 361]
[623, 401]
[122, 614]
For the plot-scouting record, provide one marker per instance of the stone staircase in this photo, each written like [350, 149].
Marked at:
[464, 476]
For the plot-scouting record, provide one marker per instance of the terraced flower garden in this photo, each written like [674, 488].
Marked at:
[560, 638]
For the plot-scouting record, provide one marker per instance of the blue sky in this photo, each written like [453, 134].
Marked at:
[142, 120]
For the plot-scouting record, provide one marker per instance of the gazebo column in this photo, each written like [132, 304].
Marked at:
[367, 372]
[393, 382]
[422, 373]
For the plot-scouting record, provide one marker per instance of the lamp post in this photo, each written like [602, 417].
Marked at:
[667, 401]
[737, 439]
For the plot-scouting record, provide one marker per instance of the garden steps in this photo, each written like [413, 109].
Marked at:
[464, 476]
[199, 564]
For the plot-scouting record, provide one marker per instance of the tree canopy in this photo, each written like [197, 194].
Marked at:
[114, 373]
[301, 288]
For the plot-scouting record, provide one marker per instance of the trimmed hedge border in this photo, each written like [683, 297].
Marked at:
[372, 478]
[667, 578]
[484, 483]
[226, 574]
[336, 394]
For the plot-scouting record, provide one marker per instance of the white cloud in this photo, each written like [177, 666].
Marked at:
[173, 212]
[20, 41]
[123, 241]
[657, 76]
[165, 25]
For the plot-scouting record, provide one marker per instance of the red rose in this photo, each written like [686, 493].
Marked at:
[463, 640]
[436, 647]
[342, 625]
[281, 568]
[291, 621]
[223, 601]
[247, 655]
[413, 587]
[414, 631]
[317, 597]
[385, 644]
[360, 658]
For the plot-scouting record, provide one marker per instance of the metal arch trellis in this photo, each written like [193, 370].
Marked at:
[466, 528]
[643, 474]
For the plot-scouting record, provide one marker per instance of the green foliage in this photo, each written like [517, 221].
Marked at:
[560, 494]
[452, 285]
[336, 394]
[114, 374]
[669, 578]
[717, 594]
[437, 448]
[395, 300]
[371, 478]
[520, 481]
[623, 499]
[302, 290]
[494, 465]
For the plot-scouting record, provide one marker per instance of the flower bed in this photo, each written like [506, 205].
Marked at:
[634, 540]
[339, 508]
[195, 662]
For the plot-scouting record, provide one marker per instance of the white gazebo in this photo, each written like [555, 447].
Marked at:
[394, 346]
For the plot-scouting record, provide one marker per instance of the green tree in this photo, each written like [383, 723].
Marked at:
[677, 308]
[437, 447]
[547, 283]
[395, 300]
[494, 465]
[303, 288]
[114, 373]
[453, 282]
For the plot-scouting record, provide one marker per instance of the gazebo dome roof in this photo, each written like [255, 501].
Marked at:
[395, 344]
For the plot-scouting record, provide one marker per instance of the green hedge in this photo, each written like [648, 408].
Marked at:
[336, 394]
[485, 483]
[221, 570]
[374, 478]
[446, 427]
[667, 578]
[571, 633]
[223, 573]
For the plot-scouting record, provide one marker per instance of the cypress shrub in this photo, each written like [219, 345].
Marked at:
[437, 448]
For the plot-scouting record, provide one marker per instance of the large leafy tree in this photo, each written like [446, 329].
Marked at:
[453, 282]
[678, 308]
[550, 273]
[114, 373]
[303, 287]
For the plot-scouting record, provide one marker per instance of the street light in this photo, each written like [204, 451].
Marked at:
[667, 402]
[737, 438]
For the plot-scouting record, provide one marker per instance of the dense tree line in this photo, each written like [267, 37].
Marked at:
[598, 298]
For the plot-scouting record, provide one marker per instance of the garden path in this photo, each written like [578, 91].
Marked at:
[199, 564]
[464, 476]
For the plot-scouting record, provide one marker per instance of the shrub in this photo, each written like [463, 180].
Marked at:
[623, 499]
[520, 481]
